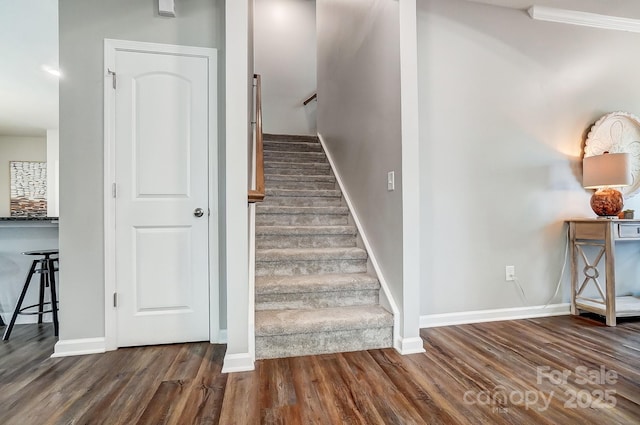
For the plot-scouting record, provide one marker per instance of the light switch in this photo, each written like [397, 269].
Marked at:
[166, 8]
[391, 181]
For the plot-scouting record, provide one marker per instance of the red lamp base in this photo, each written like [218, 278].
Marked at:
[607, 202]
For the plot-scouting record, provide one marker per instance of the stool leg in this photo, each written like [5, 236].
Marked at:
[54, 296]
[7, 332]
[43, 281]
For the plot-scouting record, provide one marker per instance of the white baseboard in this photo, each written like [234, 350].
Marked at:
[409, 345]
[79, 347]
[466, 317]
[241, 362]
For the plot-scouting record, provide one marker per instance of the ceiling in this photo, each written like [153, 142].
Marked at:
[28, 40]
[620, 8]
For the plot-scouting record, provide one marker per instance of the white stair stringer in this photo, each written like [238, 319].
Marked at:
[314, 294]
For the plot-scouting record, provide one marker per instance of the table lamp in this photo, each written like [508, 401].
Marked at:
[604, 173]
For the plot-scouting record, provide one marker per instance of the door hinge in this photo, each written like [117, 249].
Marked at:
[114, 190]
[115, 299]
[113, 77]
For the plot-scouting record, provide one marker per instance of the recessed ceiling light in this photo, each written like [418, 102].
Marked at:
[51, 70]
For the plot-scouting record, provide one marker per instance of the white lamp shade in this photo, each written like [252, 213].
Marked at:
[606, 170]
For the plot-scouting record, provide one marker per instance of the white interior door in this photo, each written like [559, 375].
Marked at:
[161, 156]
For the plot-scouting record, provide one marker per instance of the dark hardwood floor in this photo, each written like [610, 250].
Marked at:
[561, 370]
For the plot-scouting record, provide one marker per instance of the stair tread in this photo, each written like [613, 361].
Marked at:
[283, 209]
[306, 230]
[286, 322]
[299, 178]
[315, 283]
[268, 163]
[320, 155]
[294, 146]
[289, 137]
[324, 193]
[311, 254]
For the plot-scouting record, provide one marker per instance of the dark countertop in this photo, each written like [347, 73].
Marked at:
[29, 218]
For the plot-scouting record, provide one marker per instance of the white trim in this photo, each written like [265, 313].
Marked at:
[235, 241]
[374, 262]
[222, 337]
[78, 347]
[240, 362]
[252, 280]
[410, 124]
[413, 345]
[585, 19]
[480, 316]
[110, 287]
[110, 324]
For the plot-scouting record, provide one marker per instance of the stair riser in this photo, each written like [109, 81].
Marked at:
[300, 185]
[300, 220]
[302, 201]
[292, 146]
[304, 241]
[303, 157]
[290, 268]
[268, 347]
[298, 178]
[289, 138]
[310, 168]
[296, 193]
[316, 300]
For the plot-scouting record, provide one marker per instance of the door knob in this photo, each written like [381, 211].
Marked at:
[198, 212]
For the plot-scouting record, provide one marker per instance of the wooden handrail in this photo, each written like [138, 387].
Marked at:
[257, 194]
[310, 98]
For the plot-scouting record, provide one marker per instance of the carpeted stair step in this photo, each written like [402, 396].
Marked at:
[307, 185]
[301, 332]
[305, 261]
[305, 236]
[280, 181]
[288, 146]
[316, 291]
[278, 215]
[289, 138]
[288, 156]
[303, 197]
[295, 168]
[323, 193]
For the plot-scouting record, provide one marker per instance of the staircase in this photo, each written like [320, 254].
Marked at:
[313, 292]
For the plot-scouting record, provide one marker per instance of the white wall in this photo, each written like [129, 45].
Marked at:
[285, 57]
[505, 103]
[83, 26]
[359, 117]
[53, 172]
[17, 148]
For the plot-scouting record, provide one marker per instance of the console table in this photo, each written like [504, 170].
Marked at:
[603, 234]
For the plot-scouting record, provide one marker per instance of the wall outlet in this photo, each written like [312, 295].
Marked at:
[391, 181]
[510, 273]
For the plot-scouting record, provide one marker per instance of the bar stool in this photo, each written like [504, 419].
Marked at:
[46, 267]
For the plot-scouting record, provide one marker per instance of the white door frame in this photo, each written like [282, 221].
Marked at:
[110, 48]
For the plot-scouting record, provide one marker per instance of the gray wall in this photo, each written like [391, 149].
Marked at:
[285, 56]
[359, 116]
[505, 103]
[17, 148]
[84, 24]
